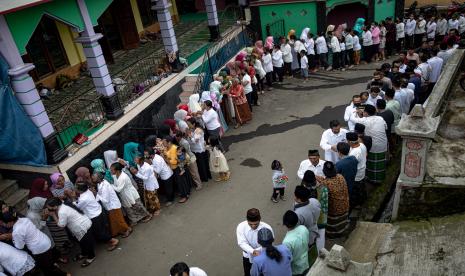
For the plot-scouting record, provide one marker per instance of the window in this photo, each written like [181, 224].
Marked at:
[45, 49]
[147, 15]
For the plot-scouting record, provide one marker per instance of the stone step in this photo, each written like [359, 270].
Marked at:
[188, 86]
[18, 199]
[184, 97]
[7, 188]
[191, 78]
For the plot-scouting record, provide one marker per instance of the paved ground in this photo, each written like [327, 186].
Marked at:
[202, 231]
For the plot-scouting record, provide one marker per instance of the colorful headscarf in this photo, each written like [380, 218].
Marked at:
[169, 122]
[258, 49]
[37, 189]
[291, 32]
[184, 107]
[131, 151]
[269, 43]
[241, 56]
[99, 166]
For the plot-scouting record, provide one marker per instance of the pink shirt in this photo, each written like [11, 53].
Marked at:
[375, 35]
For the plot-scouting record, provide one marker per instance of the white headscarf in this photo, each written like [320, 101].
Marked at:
[110, 156]
[205, 96]
[180, 115]
[193, 104]
[34, 210]
[411, 86]
[304, 34]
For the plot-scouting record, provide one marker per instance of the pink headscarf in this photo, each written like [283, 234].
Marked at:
[54, 178]
[269, 43]
[241, 56]
[338, 31]
[259, 48]
[232, 68]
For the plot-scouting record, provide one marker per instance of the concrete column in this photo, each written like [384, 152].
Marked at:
[166, 25]
[213, 22]
[417, 132]
[26, 93]
[97, 65]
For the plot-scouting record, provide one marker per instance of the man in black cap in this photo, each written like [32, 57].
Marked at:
[313, 163]
[364, 139]
[359, 151]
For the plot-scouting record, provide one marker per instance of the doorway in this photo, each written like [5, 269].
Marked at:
[346, 13]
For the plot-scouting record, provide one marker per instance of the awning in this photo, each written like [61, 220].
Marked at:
[8, 6]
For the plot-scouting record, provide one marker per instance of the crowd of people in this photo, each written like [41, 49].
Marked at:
[112, 195]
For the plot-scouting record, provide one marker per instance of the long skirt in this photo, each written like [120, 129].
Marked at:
[243, 113]
[100, 227]
[224, 125]
[152, 204]
[195, 174]
[376, 167]
[59, 236]
[183, 182]
[203, 166]
[136, 212]
[337, 225]
[118, 225]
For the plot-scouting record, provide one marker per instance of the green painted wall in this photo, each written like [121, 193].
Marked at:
[384, 9]
[296, 16]
[331, 4]
[23, 23]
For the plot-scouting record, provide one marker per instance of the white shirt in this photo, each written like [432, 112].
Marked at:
[304, 62]
[400, 30]
[453, 24]
[267, 63]
[160, 167]
[441, 27]
[77, 223]
[148, 177]
[248, 86]
[247, 238]
[349, 111]
[197, 142]
[375, 126]
[12, 259]
[259, 68]
[299, 46]
[195, 271]
[410, 26]
[461, 24]
[425, 69]
[287, 54]
[420, 27]
[431, 29]
[436, 68]
[306, 165]
[277, 58]
[405, 99]
[321, 47]
[372, 101]
[367, 38]
[126, 191]
[335, 46]
[210, 117]
[88, 204]
[328, 139]
[310, 46]
[343, 46]
[108, 196]
[360, 154]
[349, 41]
[25, 233]
[357, 45]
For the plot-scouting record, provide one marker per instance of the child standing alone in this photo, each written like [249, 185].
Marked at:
[218, 163]
[279, 181]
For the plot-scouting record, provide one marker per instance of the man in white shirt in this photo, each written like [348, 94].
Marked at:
[88, 204]
[248, 89]
[182, 269]
[400, 34]
[278, 63]
[461, 24]
[246, 233]
[322, 51]
[356, 101]
[375, 126]
[349, 40]
[367, 42]
[310, 48]
[287, 56]
[436, 64]
[453, 23]
[359, 151]
[431, 28]
[410, 26]
[313, 163]
[336, 49]
[404, 98]
[425, 70]
[441, 27]
[211, 119]
[330, 138]
[420, 31]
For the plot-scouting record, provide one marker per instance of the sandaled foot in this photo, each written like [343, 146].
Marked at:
[274, 200]
[219, 179]
[146, 219]
[113, 245]
[87, 262]
[182, 200]
[127, 233]
[157, 213]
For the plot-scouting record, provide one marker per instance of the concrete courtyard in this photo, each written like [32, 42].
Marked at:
[201, 232]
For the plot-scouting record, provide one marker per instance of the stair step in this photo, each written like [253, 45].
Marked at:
[18, 199]
[7, 188]
[191, 78]
[188, 86]
[184, 96]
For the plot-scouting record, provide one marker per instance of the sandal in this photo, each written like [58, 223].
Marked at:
[79, 258]
[146, 219]
[87, 262]
[113, 246]
[127, 233]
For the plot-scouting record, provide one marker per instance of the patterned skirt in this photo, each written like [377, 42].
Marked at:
[118, 225]
[376, 167]
[136, 212]
[59, 235]
[152, 204]
[337, 225]
[243, 113]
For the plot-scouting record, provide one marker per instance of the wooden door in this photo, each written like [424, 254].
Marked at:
[104, 43]
[124, 18]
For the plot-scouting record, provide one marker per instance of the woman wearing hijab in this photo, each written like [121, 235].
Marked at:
[269, 43]
[216, 96]
[241, 107]
[197, 144]
[40, 188]
[338, 201]
[258, 49]
[304, 34]
[233, 70]
[98, 165]
[171, 123]
[60, 187]
[193, 104]
[35, 208]
[82, 174]
[181, 180]
[180, 117]
[130, 152]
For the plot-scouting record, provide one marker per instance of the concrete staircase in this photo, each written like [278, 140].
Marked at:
[13, 195]
[187, 88]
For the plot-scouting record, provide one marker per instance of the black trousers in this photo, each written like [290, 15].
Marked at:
[269, 79]
[336, 60]
[87, 245]
[260, 85]
[399, 43]
[100, 227]
[367, 53]
[408, 41]
[418, 40]
[203, 166]
[45, 262]
[278, 74]
[247, 266]
[324, 60]
[288, 69]
[168, 185]
[249, 99]
[350, 57]
[343, 58]
[311, 62]
[277, 191]
[254, 94]
[390, 46]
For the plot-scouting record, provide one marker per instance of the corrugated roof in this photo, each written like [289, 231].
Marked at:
[9, 6]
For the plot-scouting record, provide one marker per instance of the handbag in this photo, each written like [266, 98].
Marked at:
[80, 139]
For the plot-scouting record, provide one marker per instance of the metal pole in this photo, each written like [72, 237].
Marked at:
[210, 65]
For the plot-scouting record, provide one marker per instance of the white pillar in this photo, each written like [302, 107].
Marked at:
[213, 22]
[23, 85]
[166, 25]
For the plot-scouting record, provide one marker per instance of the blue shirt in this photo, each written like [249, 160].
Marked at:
[347, 167]
[264, 265]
